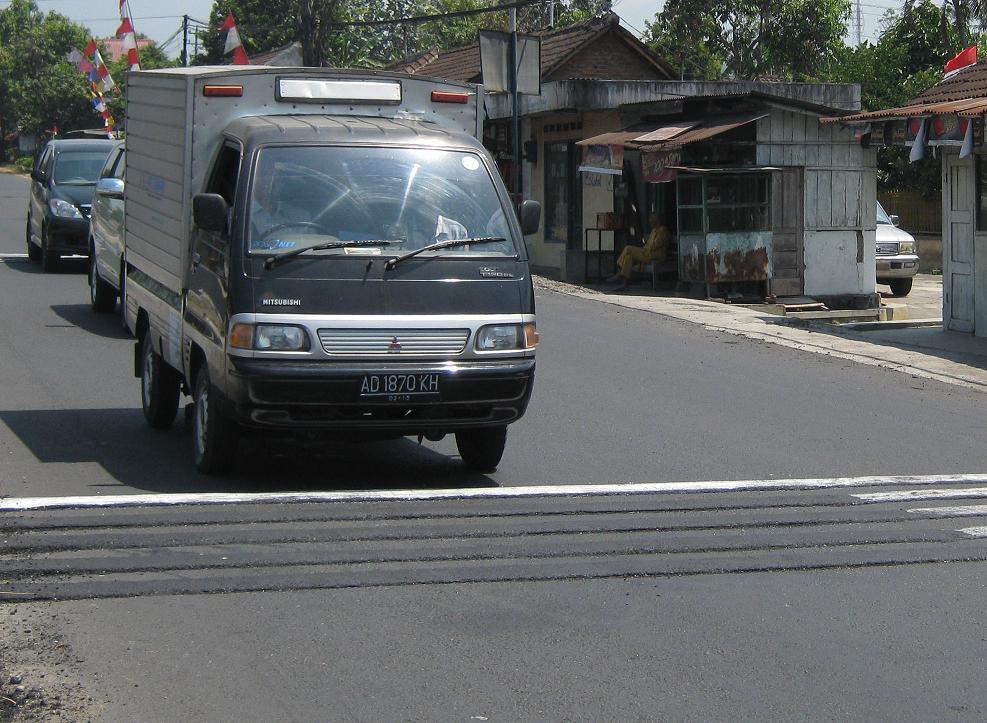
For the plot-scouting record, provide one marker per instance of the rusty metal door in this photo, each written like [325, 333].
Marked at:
[957, 250]
[788, 232]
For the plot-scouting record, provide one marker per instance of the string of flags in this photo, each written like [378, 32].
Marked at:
[90, 63]
[233, 44]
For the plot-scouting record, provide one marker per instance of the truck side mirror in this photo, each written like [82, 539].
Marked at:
[895, 220]
[209, 211]
[530, 217]
[110, 187]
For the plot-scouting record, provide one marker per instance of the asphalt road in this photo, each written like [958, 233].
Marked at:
[780, 600]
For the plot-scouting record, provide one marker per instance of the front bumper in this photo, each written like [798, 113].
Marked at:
[902, 266]
[306, 395]
[68, 235]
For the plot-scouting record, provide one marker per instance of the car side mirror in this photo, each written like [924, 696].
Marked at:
[894, 219]
[209, 211]
[530, 217]
[38, 175]
[110, 187]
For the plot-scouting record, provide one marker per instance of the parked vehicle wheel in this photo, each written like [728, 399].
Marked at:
[160, 387]
[214, 438]
[102, 297]
[49, 259]
[481, 449]
[33, 252]
[900, 287]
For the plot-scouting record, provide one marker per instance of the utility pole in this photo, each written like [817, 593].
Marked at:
[515, 111]
[185, 41]
[860, 25]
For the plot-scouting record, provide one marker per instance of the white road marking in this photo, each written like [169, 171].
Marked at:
[964, 511]
[974, 531]
[4, 257]
[902, 495]
[11, 504]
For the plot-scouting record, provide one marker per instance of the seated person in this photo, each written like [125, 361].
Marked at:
[270, 209]
[655, 248]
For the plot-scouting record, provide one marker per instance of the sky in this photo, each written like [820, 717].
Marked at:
[159, 19]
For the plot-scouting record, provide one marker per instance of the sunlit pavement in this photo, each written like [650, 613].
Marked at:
[924, 301]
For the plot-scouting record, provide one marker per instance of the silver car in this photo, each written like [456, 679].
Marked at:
[106, 233]
[897, 261]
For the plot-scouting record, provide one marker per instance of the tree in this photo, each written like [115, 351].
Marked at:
[321, 26]
[750, 39]
[908, 58]
[38, 87]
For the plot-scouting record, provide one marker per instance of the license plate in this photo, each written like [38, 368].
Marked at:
[399, 387]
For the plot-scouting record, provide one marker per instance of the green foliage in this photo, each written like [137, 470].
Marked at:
[908, 58]
[268, 24]
[749, 39]
[24, 164]
[38, 87]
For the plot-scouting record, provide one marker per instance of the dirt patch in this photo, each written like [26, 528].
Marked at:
[38, 669]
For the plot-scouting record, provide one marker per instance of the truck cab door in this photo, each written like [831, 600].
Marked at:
[207, 308]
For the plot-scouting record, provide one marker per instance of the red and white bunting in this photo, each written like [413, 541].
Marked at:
[128, 35]
[233, 44]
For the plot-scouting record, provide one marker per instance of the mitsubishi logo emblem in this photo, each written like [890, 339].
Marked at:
[394, 347]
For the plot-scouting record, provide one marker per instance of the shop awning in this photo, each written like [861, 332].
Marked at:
[710, 128]
[633, 138]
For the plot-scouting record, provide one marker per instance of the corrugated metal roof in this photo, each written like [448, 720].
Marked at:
[965, 107]
[671, 135]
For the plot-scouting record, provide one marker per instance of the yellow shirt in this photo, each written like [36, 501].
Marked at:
[656, 244]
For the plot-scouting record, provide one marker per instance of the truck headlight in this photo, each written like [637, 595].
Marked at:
[269, 337]
[63, 209]
[906, 247]
[505, 337]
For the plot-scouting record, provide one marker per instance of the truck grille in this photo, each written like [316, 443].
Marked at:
[887, 249]
[389, 342]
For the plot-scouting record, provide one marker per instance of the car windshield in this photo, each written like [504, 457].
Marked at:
[306, 196]
[79, 167]
[882, 215]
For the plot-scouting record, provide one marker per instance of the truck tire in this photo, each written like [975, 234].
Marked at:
[49, 259]
[481, 449]
[33, 252]
[214, 437]
[102, 297]
[160, 387]
[900, 287]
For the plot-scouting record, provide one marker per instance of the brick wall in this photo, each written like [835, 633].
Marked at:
[609, 58]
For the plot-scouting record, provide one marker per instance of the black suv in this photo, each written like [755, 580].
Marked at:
[62, 187]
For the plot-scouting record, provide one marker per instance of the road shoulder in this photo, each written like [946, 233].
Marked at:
[959, 366]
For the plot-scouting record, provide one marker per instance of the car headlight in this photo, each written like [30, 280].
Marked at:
[505, 337]
[63, 209]
[269, 337]
[906, 247]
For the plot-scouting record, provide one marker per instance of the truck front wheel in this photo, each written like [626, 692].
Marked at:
[900, 287]
[214, 438]
[160, 387]
[481, 449]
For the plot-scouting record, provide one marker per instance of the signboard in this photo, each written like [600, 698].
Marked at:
[495, 62]
[655, 165]
[603, 159]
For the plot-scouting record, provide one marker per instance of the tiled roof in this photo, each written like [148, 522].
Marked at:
[557, 46]
[971, 82]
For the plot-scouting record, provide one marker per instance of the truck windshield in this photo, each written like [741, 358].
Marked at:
[882, 215]
[309, 196]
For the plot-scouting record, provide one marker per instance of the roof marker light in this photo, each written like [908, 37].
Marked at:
[442, 96]
[222, 91]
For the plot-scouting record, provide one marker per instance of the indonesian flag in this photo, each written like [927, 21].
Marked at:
[90, 49]
[233, 44]
[964, 59]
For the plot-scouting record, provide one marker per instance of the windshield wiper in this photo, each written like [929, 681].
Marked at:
[273, 261]
[391, 263]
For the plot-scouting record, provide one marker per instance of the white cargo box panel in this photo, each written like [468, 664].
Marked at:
[176, 118]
